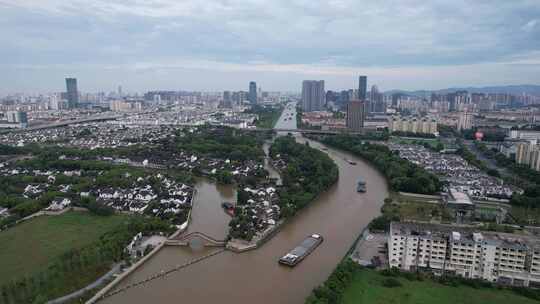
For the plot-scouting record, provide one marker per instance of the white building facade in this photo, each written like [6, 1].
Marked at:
[496, 257]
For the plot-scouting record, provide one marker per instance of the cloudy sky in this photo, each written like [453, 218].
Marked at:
[222, 44]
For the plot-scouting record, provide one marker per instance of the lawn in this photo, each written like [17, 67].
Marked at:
[433, 142]
[367, 288]
[28, 247]
[525, 215]
[417, 210]
[268, 118]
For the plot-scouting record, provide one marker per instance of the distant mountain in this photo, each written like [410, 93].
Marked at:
[510, 89]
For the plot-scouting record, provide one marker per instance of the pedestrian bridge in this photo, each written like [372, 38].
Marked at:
[194, 237]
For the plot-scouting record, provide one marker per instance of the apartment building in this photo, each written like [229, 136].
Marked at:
[528, 153]
[503, 258]
[125, 106]
[412, 124]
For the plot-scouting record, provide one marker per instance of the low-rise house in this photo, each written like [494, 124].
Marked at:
[59, 203]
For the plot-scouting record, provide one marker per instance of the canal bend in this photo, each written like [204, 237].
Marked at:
[338, 215]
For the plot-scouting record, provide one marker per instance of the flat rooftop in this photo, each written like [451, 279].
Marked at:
[466, 234]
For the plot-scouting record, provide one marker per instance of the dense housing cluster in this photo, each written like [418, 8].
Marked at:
[457, 172]
[256, 211]
[155, 195]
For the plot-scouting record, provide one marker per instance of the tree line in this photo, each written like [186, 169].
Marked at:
[331, 291]
[308, 173]
[402, 175]
[529, 179]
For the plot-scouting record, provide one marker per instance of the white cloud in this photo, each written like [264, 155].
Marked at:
[530, 26]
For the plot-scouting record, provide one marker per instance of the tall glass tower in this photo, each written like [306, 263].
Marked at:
[72, 92]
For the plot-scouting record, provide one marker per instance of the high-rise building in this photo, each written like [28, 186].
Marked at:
[424, 125]
[356, 114]
[125, 106]
[313, 95]
[376, 101]
[253, 92]
[362, 87]
[16, 117]
[120, 91]
[396, 99]
[72, 93]
[227, 101]
[464, 121]
[528, 153]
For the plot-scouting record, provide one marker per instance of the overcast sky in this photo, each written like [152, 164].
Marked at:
[222, 44]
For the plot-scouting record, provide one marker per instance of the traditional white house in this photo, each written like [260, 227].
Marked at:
[59, 203]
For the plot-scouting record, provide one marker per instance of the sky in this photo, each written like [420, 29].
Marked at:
[215, 45]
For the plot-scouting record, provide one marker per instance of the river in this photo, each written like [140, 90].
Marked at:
[338, 215]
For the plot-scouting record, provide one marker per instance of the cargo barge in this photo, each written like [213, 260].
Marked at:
[361, 186]
[296, 255]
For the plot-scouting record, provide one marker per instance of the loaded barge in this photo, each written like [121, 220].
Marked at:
[361, 186]
[296, 255]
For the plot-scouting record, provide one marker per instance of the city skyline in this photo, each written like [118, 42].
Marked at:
[445, 45]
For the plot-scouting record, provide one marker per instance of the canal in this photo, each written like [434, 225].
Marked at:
[338, 215]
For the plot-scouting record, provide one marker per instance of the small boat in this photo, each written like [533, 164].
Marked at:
[350, 162]
[295, 256]
[228, 207]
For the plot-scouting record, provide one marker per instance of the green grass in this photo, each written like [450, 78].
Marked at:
[367, 288]
[28, 247]
[417, 210]
[268, 120]
[433, 142]
[529, 216]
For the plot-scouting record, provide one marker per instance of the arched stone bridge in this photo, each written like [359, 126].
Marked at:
[184, 240]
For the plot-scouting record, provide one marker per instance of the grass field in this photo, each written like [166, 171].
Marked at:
[402, 140]
[269, 119]
[367, 288]
[28, 247]
[528, 216]
[417, 210]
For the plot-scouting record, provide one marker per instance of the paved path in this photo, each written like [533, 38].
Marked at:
[79, 293]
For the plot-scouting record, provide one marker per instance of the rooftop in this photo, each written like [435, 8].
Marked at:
[466, 235]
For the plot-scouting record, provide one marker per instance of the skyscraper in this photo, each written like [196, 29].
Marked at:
[72, 92]
[356, 113]
[362, 87]
[253, 92]
[376, 102]
[227, 101]
[313, 95]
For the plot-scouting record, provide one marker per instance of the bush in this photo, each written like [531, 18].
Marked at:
[391, 283]
[332, 290]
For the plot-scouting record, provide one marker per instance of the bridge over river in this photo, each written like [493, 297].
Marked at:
[192, 239]
[255, 276]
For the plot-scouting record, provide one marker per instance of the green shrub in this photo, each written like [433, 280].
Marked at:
[391, 283]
